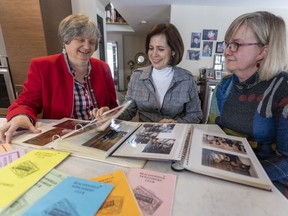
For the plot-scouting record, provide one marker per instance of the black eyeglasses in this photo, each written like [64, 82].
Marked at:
[233, 46]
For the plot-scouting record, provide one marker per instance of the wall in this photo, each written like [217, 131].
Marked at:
[23, 35]
[132, 45]
[195, 18]
[91, 9]
[61, 9]
[2, 44]
[111, 37]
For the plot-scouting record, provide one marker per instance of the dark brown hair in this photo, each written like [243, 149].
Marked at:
[173, 38]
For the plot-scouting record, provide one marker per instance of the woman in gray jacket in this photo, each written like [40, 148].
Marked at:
[163, 92]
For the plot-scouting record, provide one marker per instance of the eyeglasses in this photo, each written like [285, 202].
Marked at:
[233, 46]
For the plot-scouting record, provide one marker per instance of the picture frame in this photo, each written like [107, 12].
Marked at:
[195, 39]
[193, 55]
[220, 47]
[210, 73]
[207, 49]
[218, 74]
[210, 34]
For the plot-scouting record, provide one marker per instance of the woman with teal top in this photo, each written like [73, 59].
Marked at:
[253, 100]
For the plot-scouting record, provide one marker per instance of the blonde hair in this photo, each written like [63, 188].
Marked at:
[270, 30]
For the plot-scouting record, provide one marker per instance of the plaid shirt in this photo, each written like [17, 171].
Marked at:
[84, 99]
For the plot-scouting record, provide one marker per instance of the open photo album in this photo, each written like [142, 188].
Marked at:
[200, 148]
[226, 157]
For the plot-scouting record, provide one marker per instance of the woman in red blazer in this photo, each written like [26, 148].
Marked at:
[70, 84]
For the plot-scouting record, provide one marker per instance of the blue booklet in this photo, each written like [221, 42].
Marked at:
[73, 196]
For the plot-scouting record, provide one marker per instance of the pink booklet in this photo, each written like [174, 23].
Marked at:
[154, 191]
[9, 156]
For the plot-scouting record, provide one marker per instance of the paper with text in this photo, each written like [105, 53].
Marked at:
[73, 196]
[47, 183]
[121, 201]
[20, 175]
[10, 156]
[153, 190]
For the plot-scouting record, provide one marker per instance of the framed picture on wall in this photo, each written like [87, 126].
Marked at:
[210, 73]
[218, 74]
[195, 39]
[220, 47]
[207, 48]
[193, 54]
[210, 34]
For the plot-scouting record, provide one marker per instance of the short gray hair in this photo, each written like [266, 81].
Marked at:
[77, 25]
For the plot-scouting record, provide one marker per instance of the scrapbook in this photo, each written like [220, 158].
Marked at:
[222, 156]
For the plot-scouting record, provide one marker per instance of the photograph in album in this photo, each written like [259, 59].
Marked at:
[155, 141]
[228, 162]
[109, 139]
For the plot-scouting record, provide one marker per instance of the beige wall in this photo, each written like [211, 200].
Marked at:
[23, 34]
[23, 31]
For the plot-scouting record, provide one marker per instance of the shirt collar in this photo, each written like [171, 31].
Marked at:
[71, 69]
[247, 84]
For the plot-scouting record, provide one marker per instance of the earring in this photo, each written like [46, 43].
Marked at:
[258, 65]
[64, 50]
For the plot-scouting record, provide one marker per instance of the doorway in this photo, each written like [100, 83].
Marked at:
[112, 57]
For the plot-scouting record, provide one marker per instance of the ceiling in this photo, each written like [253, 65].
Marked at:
[158, 11]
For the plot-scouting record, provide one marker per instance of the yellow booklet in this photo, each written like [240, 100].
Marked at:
[121, 200]
[20, 175]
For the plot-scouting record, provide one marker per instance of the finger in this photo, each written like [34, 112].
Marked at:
[94, 112]
[3, 131]
[102, 110]
[33, 129]
[9, 133]
[99, 112]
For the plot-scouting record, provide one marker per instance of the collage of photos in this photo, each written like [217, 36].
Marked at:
[235, 161]
[150, 137]
[202, 44]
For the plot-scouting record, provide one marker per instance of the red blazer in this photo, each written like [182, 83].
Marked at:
[49, 88]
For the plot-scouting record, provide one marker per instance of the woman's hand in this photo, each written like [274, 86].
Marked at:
[98, 112]
[167, 121]
[19, 121]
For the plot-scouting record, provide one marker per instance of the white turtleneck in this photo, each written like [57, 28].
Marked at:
[162, 79]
